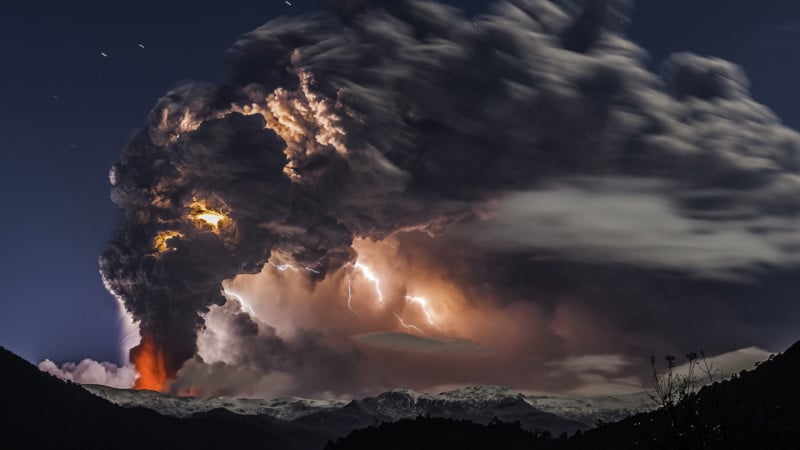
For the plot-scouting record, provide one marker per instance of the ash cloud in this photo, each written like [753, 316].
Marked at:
[92, 372]
[239, 354]
[376, 119]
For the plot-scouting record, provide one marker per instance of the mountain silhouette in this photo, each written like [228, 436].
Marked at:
[756, 409]
[41, 411]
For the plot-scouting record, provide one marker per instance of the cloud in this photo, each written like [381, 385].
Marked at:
[219, 379]
[595, 384]
[405, 342]
[605, 374]
[92, 372]
[546, 192]
[634, 221]
[729, 363]
[240, 355]
[592, 363]
[598, 374]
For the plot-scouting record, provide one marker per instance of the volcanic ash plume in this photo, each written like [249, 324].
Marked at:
[400, 126]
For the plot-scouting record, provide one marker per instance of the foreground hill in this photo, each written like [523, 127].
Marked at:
[426, 433]
[757, 409]
[42, 412]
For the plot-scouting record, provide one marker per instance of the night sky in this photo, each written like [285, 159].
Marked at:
[67, 112]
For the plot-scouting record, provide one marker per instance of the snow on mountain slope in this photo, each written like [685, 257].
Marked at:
[404, 403]
[478, 403]
[590, 410]
[481, 395]
[287, 408]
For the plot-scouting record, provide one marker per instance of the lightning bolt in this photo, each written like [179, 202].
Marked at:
[409, 326]
[423, 303]
[245, 306]
[282, 267]
[350, 295]
[370, 275]
[287, 266]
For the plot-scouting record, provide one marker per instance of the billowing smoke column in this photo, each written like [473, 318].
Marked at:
[388, 116]
[201, 208]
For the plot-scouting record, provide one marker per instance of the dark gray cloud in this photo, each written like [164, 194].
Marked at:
[234, 164]
[377, 118]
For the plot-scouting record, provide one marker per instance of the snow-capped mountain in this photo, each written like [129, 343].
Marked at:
[591, 410]
[480, 404]
[287, 408]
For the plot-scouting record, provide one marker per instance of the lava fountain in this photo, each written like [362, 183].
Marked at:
[149, 362]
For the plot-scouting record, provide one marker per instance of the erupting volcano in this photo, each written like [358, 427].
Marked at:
[149, 362]
[390, 193]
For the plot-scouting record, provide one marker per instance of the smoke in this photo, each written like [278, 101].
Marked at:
[92, 372]
[406, 136]
[631, 221]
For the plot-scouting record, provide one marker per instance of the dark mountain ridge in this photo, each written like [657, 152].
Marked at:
[44, 412]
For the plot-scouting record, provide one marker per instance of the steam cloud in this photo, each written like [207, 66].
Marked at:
[92, 372]
[406, 122]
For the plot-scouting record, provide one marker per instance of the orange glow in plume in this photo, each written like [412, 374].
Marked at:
[149, 362]
[161, 241]
[204, 216]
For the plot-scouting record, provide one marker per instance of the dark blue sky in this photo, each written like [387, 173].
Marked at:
[67, 111]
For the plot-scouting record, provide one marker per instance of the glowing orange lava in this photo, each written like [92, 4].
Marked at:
[149, 362]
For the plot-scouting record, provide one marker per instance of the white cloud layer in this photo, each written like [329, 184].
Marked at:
[632, 221]
[731, 363]
[604, 374]
[92, 372]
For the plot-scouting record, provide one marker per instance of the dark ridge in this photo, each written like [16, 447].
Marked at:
[757, 409]
[426, 433]
[41, 411]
